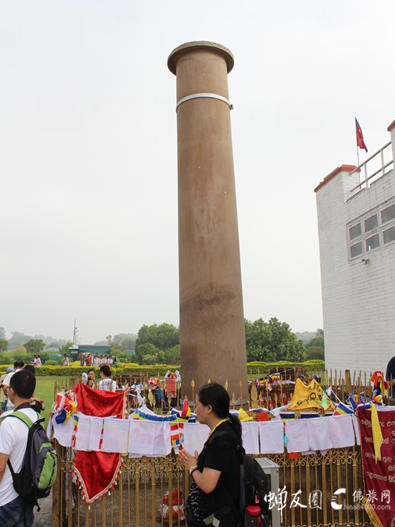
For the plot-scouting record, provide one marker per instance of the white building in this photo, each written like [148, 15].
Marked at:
[356, 225]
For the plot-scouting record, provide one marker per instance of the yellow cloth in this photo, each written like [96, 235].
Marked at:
[243, 416]
[308, 397]
[375, 520]
[377, 435]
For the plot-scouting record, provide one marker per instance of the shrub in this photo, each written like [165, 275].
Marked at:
[316, 353]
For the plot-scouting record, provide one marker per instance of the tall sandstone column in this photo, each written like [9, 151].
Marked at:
[212, 334]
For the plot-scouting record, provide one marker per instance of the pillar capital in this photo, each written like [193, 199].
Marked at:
[197, 46]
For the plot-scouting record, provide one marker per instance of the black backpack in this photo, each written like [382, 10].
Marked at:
[253, 484]
[38, 472]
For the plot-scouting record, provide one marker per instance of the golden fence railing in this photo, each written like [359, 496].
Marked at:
[306, 494]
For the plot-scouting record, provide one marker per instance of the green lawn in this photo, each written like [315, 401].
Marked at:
[45, 391]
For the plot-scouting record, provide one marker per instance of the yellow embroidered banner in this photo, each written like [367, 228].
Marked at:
[309, 397]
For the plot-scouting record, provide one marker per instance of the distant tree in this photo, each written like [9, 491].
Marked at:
[50, 357]
[64, 348]
[109, 340]
[316, 354]
[272, 341]
[53, 344]
[2, 332]
[163, 337]
[317, 341]
[21, 354]
[50, 342]
[17, 340]
[3, 344]
[6, 358]
[145, 349]
[149, 359]
[34, 346]
[305, 336]
[173, 355]
[129, 343]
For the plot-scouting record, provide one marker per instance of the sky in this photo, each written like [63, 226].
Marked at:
[88, 151]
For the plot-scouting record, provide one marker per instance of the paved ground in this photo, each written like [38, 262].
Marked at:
[44, 517]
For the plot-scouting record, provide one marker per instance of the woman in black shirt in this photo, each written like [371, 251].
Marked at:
[215, 472]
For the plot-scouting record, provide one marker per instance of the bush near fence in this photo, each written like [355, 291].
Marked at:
[75, 368]
[263, 367]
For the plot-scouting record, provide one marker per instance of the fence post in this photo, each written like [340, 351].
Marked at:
[57, 489]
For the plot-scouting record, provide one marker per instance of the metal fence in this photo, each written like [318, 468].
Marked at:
[306, 492]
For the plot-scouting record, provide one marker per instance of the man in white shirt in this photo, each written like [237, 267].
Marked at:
[13, 442]
[18, 365]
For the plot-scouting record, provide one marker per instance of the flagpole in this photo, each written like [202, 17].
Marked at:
[356, 139]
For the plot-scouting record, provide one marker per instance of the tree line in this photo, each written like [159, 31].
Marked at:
[160, 344]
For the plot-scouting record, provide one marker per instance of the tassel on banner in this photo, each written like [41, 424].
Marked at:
[376, 522]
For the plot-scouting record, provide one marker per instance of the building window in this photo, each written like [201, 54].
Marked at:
[388, 214]
[355, 231]
[389, 235]
[371, 223]
[372, 242]
[373, 231]
[356, 249]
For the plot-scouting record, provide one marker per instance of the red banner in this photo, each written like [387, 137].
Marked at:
[379, 477]
[99, 402]
[98, 471]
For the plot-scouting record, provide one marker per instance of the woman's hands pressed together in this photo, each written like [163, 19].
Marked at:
[188, 460]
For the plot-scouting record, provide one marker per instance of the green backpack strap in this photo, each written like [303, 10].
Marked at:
[22, 416]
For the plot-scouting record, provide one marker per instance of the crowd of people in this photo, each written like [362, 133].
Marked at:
[96, 361]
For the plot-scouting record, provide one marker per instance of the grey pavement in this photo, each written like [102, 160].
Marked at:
[43, 518]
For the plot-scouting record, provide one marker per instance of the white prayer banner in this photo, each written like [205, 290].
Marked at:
[341, 431]
[162, 439]
[356, 430]
[141, 437]
[297, 433]
[271, 436]
[195, 435]
[250, 436]
[319, 433]
[88, 432]
[64, 432]
[115, 435]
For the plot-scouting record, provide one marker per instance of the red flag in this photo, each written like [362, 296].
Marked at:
[98, 471]
[360, 139]
[379, 481]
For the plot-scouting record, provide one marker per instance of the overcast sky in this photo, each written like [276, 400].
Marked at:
[88, 150]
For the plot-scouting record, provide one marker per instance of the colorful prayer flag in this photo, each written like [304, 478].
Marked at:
[341, 409]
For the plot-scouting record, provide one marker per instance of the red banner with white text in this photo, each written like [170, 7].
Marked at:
[379, 477]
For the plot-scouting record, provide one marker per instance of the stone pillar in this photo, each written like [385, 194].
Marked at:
[211, 304]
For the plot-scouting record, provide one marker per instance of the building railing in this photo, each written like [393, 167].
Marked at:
[365, 182]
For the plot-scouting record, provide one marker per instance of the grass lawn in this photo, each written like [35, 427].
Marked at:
[45, 391]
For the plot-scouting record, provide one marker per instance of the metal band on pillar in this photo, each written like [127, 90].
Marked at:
[205, 96]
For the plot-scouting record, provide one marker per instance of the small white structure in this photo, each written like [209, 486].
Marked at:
[356, 225]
